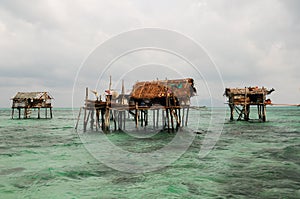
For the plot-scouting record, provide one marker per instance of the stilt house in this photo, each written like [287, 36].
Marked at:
[170, 98]
[240, 100]
[29, 101]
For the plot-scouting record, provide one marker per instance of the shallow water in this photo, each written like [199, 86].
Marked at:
[46, 159]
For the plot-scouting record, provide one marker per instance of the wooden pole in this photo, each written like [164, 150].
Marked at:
[113, 114]
[51, 112]
[179, 116]
[146, 117]
[245, 105]
[97, 119]
[153, 117]
[107, 123]
[39, 113]
[177, 119]
[163, 118]
[172, 121]
[92, 119]
[168, 120]
[19, 113]
[102, 119]
[76, 126]
[187, 115]
[142, 117]
[84, 120]
[136, 115]
[124, 120]
[264, 113]
[182, 120]
[157, 117]
[247, 112]
[231, 111]
[258, 111]
[12, 113]
[85, 107]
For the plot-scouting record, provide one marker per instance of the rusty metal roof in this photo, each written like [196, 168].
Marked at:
[248, 91]
[32, 95]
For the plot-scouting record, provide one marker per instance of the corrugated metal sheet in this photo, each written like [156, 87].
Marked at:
[33, 95]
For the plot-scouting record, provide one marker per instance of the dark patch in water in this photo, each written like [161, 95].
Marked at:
[79, 174]
[128, 179]
[12, 170]
[193, 188]
[289, 153]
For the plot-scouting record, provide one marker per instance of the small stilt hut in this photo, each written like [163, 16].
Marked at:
[240, 100]
[29, 101]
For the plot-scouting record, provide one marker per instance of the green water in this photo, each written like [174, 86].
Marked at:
[46, 159]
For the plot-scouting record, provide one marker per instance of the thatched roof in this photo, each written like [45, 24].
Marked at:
[248, 91]
[180, 88]
[32, 95]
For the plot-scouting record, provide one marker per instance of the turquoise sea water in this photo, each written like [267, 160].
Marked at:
[46, 159]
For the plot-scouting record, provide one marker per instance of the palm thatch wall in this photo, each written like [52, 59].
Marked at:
[181, 89]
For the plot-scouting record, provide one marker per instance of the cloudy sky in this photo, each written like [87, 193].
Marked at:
[43, 43]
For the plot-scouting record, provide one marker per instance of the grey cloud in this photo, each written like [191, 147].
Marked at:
[44, 42]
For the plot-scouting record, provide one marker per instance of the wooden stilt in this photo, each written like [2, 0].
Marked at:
[76, 126]
[85, 108]
[231, 111]
[264, 113]
[107, 119]
[187, 115]
[168, 119]
[25, 113]
[124, 121]
[114, 118]
[39, 113]
[19, 113]
[142, 117]
[146, 117]
[97, 119]
[182, 120]
[12, 113]
[92, 120]
[153, 117]
[258, 111]
[113, 114]
[176, 118]
[172, 121]
[51, 112]
[136, 115]
[247, 112]
[157, 117]
[102, 119]
[84, 120]
[163, 118]
[179, 116]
